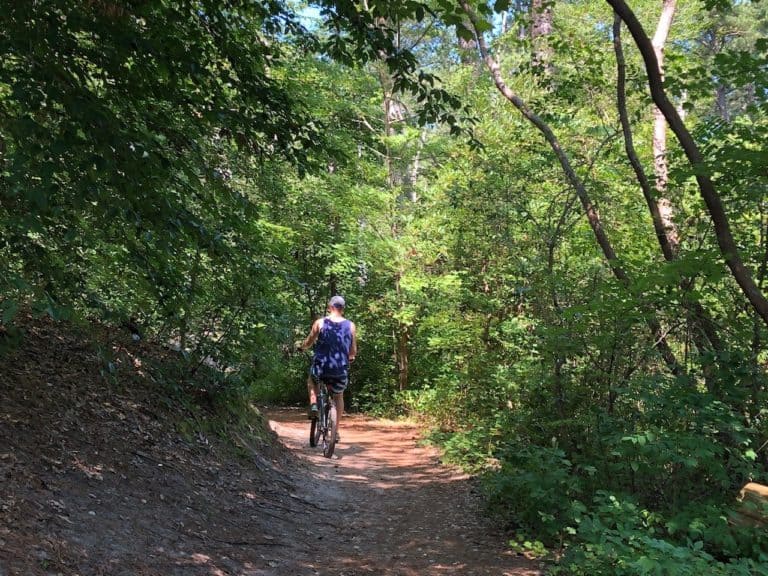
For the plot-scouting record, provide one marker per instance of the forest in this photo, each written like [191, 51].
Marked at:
[548, 218]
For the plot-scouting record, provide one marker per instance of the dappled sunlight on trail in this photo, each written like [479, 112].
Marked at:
[399, 511]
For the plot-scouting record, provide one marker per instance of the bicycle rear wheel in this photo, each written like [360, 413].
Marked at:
[313, 432]
[329, 443]
[316, 428]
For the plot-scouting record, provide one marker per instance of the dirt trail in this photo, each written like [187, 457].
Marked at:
[388, 507]
[97, 477]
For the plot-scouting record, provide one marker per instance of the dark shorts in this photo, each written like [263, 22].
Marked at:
[336, 383]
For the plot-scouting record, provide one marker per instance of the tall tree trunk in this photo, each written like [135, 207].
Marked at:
[415, 171]
[621, 101]
[660, 164]
[402, 340]
[714, 43]
[593, 217]
[721, 102]
[558, 359]
[401, 332]
[727, 244]
[522, 31]
[466, 50]
[387, 102]
[702, 320]
[403, 357]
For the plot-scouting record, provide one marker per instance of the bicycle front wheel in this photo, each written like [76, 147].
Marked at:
[333, 424]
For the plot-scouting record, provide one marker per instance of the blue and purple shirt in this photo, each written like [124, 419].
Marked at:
[332, 348]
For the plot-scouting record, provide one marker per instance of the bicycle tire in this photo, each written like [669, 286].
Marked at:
[318, 432]
[322, 429]
[330, 444]
[322, 419]
[318, 424]
[312, 433]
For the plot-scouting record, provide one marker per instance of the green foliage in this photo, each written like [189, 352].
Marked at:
[534, 489]
[120, 130]
[533, 363]
[617, 537]
[213, 172]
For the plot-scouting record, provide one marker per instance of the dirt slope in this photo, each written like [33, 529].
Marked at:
[95, 480]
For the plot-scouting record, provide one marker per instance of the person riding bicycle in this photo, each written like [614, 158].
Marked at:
[335, 340]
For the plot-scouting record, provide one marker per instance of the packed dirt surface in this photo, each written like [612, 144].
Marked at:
[101, 474]
[385, 505]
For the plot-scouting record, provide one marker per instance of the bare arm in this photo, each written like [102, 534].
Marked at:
[313, 334]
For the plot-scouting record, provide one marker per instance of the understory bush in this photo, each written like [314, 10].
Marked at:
[541, 493]
[648, 489]
[615, 537]
[534, 489]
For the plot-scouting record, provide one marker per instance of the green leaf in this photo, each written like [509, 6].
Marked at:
[464, 33]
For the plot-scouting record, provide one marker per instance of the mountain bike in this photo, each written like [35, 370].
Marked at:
[322, 430]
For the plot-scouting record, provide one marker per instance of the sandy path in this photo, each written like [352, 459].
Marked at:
[388, 507]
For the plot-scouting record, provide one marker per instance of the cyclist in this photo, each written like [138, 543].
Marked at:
[335, 340]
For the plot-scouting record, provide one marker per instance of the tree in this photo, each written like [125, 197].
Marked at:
[720, 221]
[588, 206]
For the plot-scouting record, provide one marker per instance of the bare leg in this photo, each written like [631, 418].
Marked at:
[312, 390]
[338, 399]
